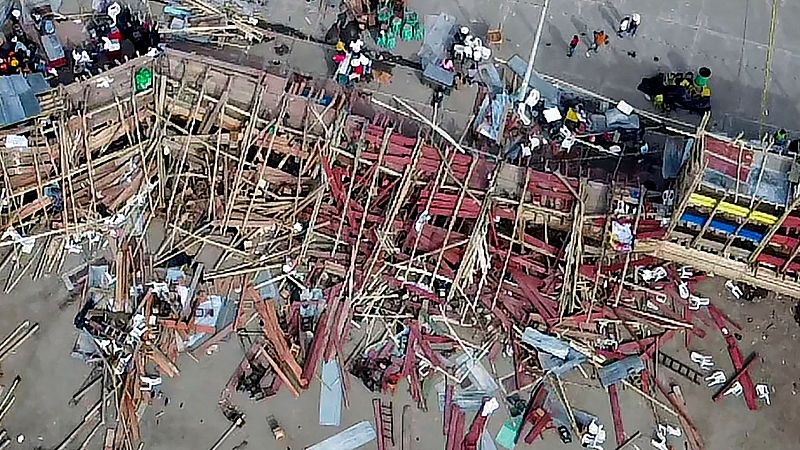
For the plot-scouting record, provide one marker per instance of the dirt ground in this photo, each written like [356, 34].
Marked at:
[191, 418]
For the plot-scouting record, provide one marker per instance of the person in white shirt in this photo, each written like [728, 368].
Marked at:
[629, 25]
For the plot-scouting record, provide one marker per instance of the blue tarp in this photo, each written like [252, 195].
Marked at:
[617, 120]
[560, 366]
[773, 187]
[438, 37]
[490, 126]
[676, 152]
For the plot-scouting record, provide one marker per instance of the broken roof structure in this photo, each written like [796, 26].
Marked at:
[331, 208]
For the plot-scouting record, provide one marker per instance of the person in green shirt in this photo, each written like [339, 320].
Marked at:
[781, 137]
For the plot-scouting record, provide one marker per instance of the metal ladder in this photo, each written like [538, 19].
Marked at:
[384, 423]
[680, 368]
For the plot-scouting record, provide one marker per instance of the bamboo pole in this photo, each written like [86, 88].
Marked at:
[356, 160]
[513, 238]
[185, 151]
[244, 145]
[373, 183]
[451, 223]
[263, 168]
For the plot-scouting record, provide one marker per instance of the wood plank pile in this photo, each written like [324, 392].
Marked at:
[341, 238]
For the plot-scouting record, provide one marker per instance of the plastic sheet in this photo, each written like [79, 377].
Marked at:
[490, 127]
[438, 36]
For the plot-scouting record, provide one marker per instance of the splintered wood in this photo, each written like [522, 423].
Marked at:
[334, 217]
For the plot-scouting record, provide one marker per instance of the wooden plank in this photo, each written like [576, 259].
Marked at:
[167, 367]
[616, 414]
[750, 361]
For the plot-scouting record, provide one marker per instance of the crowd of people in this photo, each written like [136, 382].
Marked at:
[18, 52]
[114, 34]
[353, 64]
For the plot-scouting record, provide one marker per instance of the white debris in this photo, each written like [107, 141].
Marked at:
[735, 290]
[489, 407]
[704, 361]
[595, 436]
[696, 302]
[25, 243]
[651, 276]
[716, 378]
[421, 221]
[735, 390]
[15, 141]
[763, 392]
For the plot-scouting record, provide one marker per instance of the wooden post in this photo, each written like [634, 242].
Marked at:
[708, 221]
[244, 145]
[774, 229]
[516, 232]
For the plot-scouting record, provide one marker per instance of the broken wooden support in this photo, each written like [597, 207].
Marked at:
[616, 414]
[384, 423]
[164, 363]
[277, 350]
[737, 360]
[751, 361]
[15, 344]
[675, 399]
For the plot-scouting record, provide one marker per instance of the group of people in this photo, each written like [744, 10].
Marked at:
[628, 26]
[464, 54]
[116, 34]
[353, 64]
[18, 52]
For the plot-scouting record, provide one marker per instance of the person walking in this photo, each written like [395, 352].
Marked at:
[600, 39]
[572, 45]
[636, 20]
[629, 24]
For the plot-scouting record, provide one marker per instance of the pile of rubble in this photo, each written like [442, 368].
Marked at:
[364, 246]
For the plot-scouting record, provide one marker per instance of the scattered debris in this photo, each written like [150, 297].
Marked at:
[347, 223]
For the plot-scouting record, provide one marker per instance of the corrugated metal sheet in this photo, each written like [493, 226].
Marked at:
[330, 395]
[359, 434]
[18, 97]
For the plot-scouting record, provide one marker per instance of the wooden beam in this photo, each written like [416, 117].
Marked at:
[774, 229]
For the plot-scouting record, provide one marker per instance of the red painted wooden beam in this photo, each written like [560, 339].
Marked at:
[737, 359]
[616, 414]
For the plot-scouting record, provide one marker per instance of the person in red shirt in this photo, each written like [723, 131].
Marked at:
[572, 44]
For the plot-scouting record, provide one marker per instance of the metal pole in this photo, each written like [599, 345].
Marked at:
[535, 47]
[236, 424]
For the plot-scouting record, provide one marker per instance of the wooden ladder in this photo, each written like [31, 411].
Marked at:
[384, 423]
[680, 368]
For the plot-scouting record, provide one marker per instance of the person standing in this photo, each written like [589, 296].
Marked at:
[781, 137]
[600, 39]
[624, 26]
[572, 45]
[629, 24]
